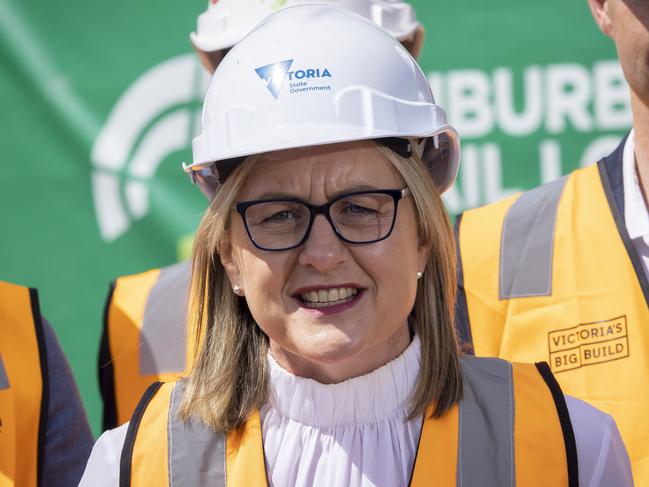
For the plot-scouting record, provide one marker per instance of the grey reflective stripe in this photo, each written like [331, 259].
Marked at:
[164, 327]
[196, 452]
[4, 380]
[486, 422]
[527, 243]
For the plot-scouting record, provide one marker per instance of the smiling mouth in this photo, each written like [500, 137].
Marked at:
[324, 298]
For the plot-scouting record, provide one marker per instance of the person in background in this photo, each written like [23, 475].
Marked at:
[560, 273]
[45, 439]
[324, 276]
[145, 337]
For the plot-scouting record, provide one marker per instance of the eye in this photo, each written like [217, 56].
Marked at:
[276, 213]
[281, 216]
[354, 208]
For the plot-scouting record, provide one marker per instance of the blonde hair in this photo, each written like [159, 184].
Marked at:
[230, 376]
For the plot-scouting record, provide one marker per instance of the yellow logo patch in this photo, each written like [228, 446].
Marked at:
[588, 344]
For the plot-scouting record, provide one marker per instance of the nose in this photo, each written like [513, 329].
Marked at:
[322, 250]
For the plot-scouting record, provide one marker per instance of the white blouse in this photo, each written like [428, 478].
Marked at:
[355, 433]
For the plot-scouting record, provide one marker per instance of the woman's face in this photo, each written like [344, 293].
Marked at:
[329, 341]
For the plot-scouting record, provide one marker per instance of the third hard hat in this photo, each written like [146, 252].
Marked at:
[225, 22]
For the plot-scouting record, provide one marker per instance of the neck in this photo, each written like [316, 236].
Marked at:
[641, 141]
[335, 369]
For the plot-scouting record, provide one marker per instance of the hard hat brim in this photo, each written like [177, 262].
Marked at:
[288, 137]
[210, 44]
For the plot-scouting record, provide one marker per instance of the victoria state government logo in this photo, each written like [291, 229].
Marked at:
[300, 80]
[588, 344]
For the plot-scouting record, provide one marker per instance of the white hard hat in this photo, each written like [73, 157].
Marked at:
[225, 22]
[315, 75]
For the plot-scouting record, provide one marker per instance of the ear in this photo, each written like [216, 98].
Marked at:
[230, 264]
[423, 254]
[209, 60]
[415, 42]
[601, 13]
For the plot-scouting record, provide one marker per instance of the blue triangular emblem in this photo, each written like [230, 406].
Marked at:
[274, 75]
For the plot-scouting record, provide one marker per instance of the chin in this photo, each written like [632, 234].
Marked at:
[330, 350]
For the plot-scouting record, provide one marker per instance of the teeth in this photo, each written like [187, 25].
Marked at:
[325, 296]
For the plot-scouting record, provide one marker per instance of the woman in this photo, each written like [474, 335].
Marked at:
[324, 279]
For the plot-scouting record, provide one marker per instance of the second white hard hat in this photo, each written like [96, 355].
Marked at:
[315, 75]
[225, 22]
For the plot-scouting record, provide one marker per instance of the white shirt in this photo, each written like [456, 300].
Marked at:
[353, 434]
[636, 216]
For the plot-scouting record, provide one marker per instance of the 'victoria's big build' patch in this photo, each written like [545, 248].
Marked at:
[588, 344]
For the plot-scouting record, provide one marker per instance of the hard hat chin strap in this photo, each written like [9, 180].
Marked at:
[210, 178]
[403, 147]
[406, 147]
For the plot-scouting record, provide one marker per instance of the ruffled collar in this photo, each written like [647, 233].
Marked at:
[381, 393]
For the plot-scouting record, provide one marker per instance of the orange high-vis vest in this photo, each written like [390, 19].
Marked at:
[23, 380]
[511, 428]
[145, 338]
[552, 275]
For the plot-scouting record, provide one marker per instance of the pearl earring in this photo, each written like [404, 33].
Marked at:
[236, 290]
[419, 274]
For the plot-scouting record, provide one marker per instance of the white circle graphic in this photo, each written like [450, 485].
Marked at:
[128, 142]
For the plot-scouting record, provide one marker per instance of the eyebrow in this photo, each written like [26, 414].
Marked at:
[352, 188]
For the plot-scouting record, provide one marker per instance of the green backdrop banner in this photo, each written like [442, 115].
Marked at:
[100, 101]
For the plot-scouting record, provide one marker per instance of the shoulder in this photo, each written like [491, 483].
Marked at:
[601, 454]
[178, 270]
[475, 216]
[532, 200]
[138, 279]
[102, 469]
[159, 285]
[103, 466]
[68, 438]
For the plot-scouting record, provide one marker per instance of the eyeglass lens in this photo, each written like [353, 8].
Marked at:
[358, 218]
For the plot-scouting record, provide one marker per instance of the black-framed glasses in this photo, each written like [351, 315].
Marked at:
[361, 217]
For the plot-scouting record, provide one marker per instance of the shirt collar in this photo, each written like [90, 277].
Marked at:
[636, 217]
[383, 392]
